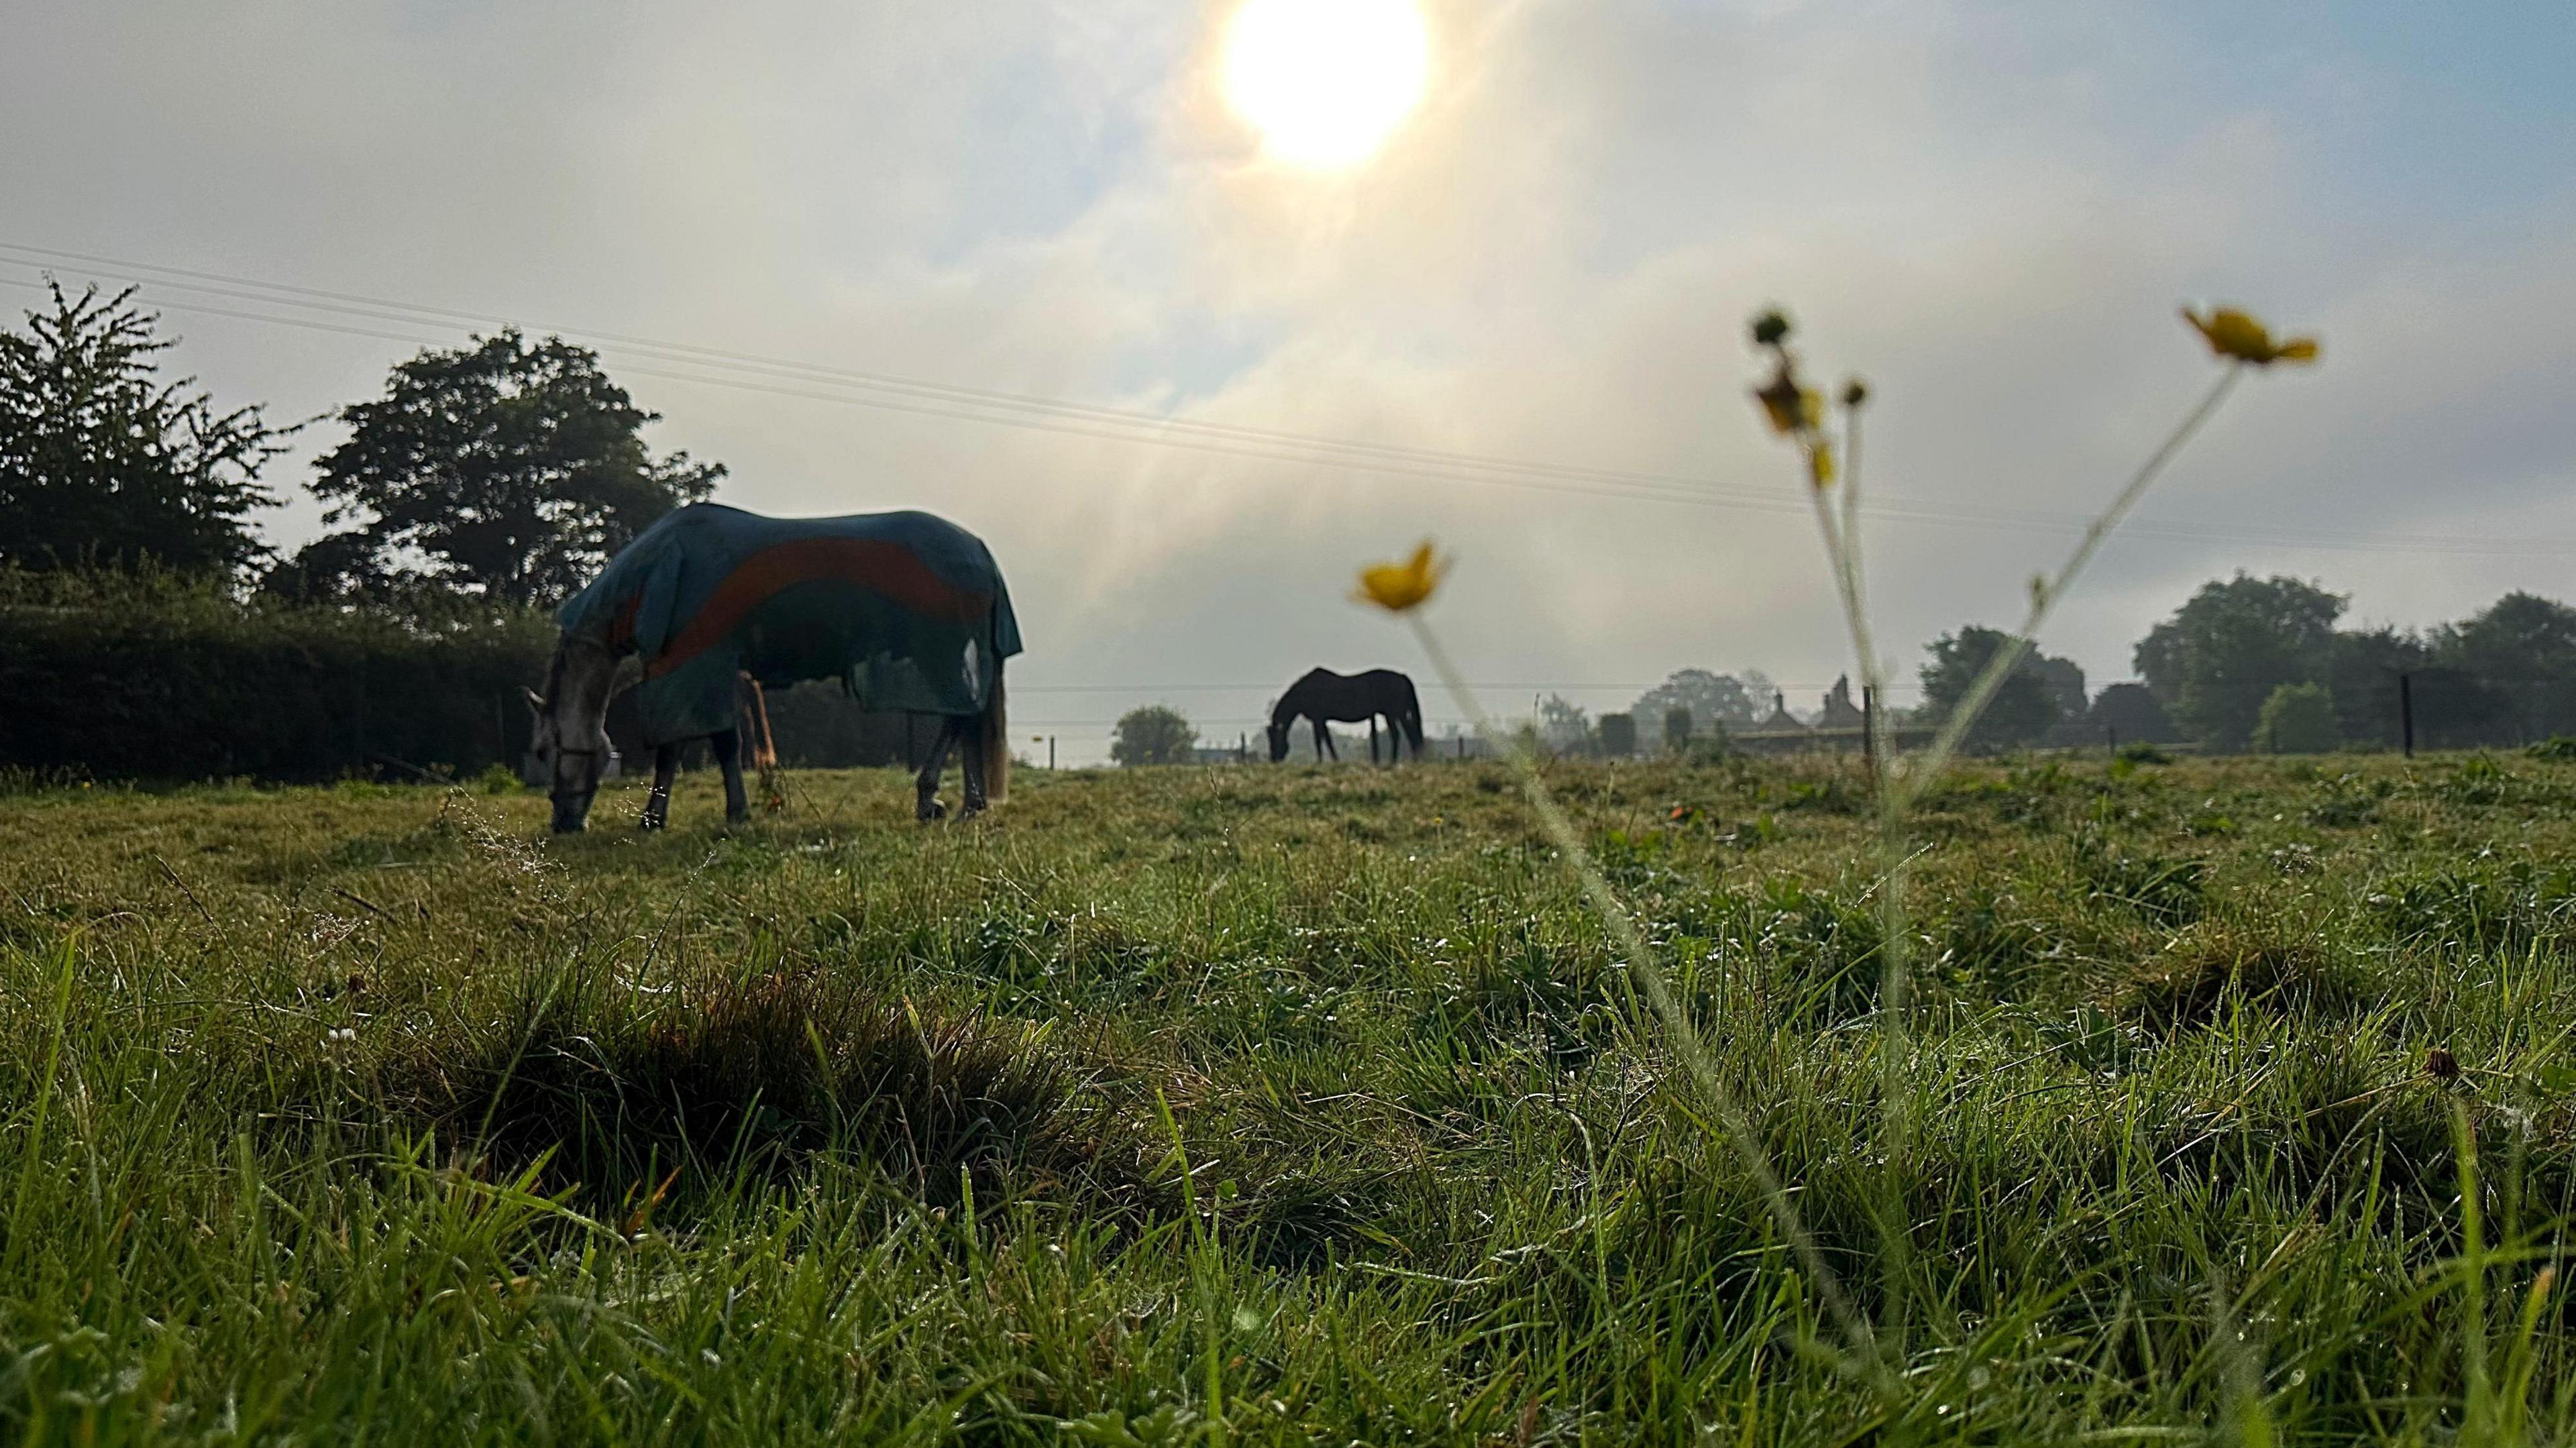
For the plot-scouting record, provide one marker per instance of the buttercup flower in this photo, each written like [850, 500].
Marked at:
[1397, 587]
[1791, 408]
[2232, 333]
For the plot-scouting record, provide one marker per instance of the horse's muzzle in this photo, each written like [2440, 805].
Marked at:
[572, 811]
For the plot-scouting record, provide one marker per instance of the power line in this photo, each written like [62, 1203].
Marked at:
[917, 396]
[1496, 688]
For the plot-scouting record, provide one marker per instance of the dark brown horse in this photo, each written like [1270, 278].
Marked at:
[1326, 697]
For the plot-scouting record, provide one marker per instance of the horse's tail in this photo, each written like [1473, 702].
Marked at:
[1413, 716]
[996, 744]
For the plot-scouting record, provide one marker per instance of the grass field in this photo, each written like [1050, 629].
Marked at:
[1284, 1105]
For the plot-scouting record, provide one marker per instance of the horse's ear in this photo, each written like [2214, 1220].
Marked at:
[536, 701]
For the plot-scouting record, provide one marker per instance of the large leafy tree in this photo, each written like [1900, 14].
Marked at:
[1715, 701]
[2034, 698]
[2522, 648]
[104, 464]
[2225, 650]
[1153, 734]
[506, 467]
[2128, 714]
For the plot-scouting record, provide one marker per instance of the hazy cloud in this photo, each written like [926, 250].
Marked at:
[1990, 210]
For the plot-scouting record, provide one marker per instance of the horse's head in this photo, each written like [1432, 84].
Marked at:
[1278, 741]
[568, 749]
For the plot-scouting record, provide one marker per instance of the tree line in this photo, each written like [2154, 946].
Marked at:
[147, 630]
[501, 474]
[506, 470]
[2246, 664]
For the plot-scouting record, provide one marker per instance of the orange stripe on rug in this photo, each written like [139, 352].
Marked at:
[870, 563]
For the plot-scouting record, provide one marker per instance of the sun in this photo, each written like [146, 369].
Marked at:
[1325, 81]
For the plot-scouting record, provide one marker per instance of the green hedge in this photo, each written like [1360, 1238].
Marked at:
[160, 678]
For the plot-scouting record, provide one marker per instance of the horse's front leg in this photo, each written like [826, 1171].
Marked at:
[1324, 742]
[1372, 739]
[726, 745]
[657, 805]
[926, 805]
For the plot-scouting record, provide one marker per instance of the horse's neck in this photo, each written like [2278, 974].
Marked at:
[586, 671]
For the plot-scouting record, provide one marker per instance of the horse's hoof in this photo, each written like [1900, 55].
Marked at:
[971, 811]
[737, 817]
[648, 823]
[930, 809]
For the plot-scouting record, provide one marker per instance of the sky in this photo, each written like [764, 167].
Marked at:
[1990, 211]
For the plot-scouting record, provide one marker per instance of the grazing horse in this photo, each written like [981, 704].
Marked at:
[906, 609]
[1323, 696]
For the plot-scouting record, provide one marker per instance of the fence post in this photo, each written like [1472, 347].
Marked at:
[1869, 728]
[2406, 713]
[1050, 753]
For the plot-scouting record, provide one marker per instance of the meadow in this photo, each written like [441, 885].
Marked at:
[1286, 1105]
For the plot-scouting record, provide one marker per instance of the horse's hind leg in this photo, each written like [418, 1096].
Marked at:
[926, 805]
[1324, 741]
[726, 745]
[1372, 739]
[657, 805]
[970, 760]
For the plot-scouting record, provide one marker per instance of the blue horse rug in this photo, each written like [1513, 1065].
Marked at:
[907, 609]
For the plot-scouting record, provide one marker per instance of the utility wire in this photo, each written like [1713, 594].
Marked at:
[756, 373]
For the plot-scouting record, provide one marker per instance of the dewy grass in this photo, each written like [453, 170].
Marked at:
[1385, 1019]
[1798, 413]
[1650, 977]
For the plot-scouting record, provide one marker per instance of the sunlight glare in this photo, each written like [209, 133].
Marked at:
[1325, 81]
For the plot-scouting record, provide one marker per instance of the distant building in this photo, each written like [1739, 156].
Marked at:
[1840, 712]
[1780, 720]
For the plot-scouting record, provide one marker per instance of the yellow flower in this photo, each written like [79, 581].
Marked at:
[1791, 408]
[1820, 463]
[2232, 333]
[1397, 587]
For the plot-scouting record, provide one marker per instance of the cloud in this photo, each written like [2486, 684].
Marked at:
[1991, 212]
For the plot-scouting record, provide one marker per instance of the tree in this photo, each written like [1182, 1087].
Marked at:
[1714, 700]
[2062, 678]
[334, 567]
[2129, 714]
[2523, 648]
[1677, 728]
[1153, 734]
[100, 463]
[2221, 655]
[2030, 702]
[2298, 719]
[1562, 725]
[2362, 669]
[1618, 736]
[514, 469]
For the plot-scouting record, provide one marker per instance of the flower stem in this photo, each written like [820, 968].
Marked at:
[1896, 1053]
[1648, 973]
[1920, 775]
